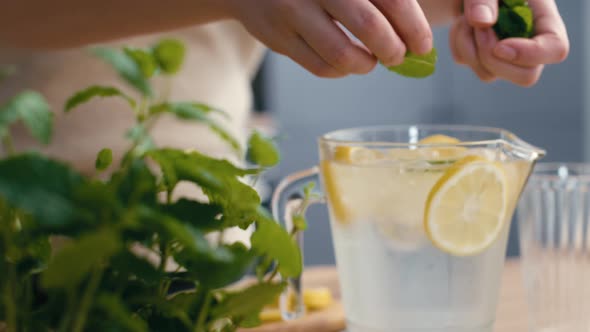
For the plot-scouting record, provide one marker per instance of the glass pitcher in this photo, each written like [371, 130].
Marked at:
[419, 218]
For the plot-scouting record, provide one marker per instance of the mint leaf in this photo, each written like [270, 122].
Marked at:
[33, 254]
[526, 14]
[178, 166]
[196, 112]
[116, 311]
[95, 91]
[144, 59]
[128, 264]
[126, 67]
[33, 110]
[262, 151]
[41, 187]
[104, 159]
[299, 222]
[417, 66]
[200, 215]
[88, 252]
[514, 22]
[169, 54]
[273, 240]
[190, 238]
[249, 301]
[216, 274]
[135, 184]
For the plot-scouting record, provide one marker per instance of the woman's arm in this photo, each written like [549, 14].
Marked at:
[45, 24]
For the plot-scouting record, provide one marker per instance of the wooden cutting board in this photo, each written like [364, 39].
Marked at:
[511, 314]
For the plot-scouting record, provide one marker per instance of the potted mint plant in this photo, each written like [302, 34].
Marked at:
[97, 281]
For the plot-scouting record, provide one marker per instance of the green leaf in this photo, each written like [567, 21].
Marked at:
[73, 263]
[169, 54]
[200, 215]
[417, 66]
[41, 187]
[299, 222]
[250, 321]
[262, 151]
[34, 255]
[178, 166]
[190, 238]
[104, 159]
[95, 91]
[213, 274]
[196, 112]
[514, 22]
[273, 240]
[526, 14]
[131, 266]
[249, 301]
[126, 67]
[144, 59]
[135, 184]
[33, 110]
[116, 311]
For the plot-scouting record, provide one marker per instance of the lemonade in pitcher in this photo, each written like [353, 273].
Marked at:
[420, 232]
[420, 217]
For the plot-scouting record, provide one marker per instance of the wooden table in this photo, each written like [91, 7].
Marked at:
[511, 314]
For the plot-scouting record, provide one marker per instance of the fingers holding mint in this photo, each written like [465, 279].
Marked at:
[550, 43]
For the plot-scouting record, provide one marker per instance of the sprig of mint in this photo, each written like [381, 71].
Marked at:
[515, 20]
[97, 280]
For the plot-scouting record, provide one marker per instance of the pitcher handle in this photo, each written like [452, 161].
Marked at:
[286, 202]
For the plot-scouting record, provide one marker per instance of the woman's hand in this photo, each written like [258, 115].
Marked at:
[307, 31]
[521, 61]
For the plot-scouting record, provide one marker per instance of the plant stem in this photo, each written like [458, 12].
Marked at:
[164, 252]
[71, 297]
[9, 303]
[80, 319]
[200, 327]
[273, 274]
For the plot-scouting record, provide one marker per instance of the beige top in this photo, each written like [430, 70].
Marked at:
[221, 60]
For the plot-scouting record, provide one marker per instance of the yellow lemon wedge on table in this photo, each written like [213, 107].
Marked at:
[314, 299]
[466, 209]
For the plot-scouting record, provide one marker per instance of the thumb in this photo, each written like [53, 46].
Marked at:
[481, 13]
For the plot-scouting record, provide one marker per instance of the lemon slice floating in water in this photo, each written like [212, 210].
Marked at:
[466, 209]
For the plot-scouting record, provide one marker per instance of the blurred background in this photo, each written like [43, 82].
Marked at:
[554, 114]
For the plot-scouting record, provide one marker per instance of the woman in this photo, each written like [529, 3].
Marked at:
[226, 39]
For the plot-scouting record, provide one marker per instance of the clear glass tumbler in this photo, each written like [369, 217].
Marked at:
[554, 225]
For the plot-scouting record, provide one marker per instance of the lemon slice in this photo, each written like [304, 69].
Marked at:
[441, 153]
[466, 209]
[356, 155]
[339, 208]
[439, 139]
[317, 298]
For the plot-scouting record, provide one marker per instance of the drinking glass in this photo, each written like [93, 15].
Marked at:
[554, 226]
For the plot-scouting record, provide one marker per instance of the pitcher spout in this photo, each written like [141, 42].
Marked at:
[521, 149]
